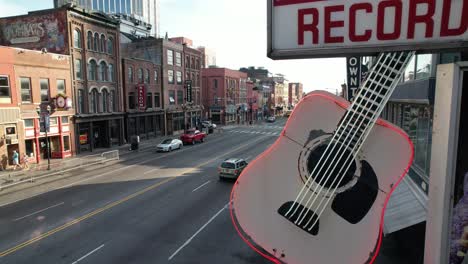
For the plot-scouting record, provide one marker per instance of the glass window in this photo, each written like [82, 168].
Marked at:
[215, 83]
[66, 143]
[95, 4]
[423, 66]
[170, 59]
[409, 72]
[130, 74]
[44, 90]
[178, 59]
[179, 77]
[53, 121]
[29, 123]
[106, 6]
[147, 76]
[172, 97]
[4, 86]
[102, 71]
[117, 6]
[90, 40]
[92, 70]
[180, 97]
[112, 6]
[110, 46]
[25, 89]
[449, 57]
[94, 99]
[111, 72]
[77, 38]
[128, 5]
[140, 75]
[156, 76]
[187, 61]
[80, 101]
[105, 97]
[101, 5]
[64, 119]
[96, 42]
[61, 86]
[170, 76]
[131, 100]
[112, 101]
[78, 69]
[149, 102]
[157, 100]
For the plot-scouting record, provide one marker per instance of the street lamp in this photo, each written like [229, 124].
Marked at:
[39, 111]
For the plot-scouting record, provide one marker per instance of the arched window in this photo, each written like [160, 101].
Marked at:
[105, 98]
[110, 74]
[77, 38]
[93, 107]
[92, 70]
[90, 40]
[112, 101]
[96, 42]
[103, 43]
[147, 76]
[102, 71]
[140, 75]
[130, 74]
[110, 46]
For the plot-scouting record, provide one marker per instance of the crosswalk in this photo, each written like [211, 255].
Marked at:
[258, 130]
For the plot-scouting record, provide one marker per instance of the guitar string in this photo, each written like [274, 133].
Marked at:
[310, 178]
[407, 56]
[354, 113]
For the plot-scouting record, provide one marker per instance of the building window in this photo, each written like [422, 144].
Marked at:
[25, 89]
[78, 69]
[77, 38]
[170, 76]
[157, 100]
[117, 6]
[187, 75]
[92, 68]
[96, 42]
[53, 121]
[110, 46]
[140, 75]
[112, 101]
[105, 97]
[4, 87]
[80, 101]
[187, 61]
[180, 97]
[111, 72]
[64, 119]
[178, 59]
[450, 57]
[112, 6]
[106, 6]
[66, 143]
[147, 76]
[197, 80]
[409, 71]
[29, 123]
[130, 74]
[102, 71]
[61, 86]
[94, 101]
[149, 102]
[423, 66]
[131, 100]
[197, 65]
[192, 65]
[44, 90]
[179, 77]
[156, 76]
[172, 97]
[103, 43]
[90, 40]
[170, 58]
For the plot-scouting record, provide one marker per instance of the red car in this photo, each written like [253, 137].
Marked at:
[192, 136]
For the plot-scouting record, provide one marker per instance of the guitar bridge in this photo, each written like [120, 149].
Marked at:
[306, 217]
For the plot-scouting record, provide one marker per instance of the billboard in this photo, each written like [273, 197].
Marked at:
[36, 31]
[316, 28]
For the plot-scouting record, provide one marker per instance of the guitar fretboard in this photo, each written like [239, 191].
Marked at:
[371, 98]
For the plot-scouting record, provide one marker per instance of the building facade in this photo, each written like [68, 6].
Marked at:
[142, 99]
[295, 92]
[29, 82]
[209, 57]
[193, 65]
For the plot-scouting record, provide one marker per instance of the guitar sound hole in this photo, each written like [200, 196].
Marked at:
[341, 164]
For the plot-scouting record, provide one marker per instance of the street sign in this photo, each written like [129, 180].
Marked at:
[313, 28]
[188, 90]
[356, 74]
[141, 97]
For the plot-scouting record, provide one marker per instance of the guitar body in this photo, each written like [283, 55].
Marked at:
[349, 229]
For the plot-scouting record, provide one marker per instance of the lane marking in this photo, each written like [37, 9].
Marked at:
[40, 211]
[196, 233]
[194, 190]
[111, 205]
[87, 255]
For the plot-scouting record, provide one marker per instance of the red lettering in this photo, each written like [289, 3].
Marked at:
[413, 18]
[302, 28]
[445, 31]
[329, 24]
[352, 22]
[381, 35]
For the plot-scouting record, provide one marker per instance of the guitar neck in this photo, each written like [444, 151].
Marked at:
[371, 98]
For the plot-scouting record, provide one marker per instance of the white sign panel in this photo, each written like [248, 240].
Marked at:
[317, 28]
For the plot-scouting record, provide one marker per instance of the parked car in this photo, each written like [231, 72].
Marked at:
[208, 124]
[271, 119]
[169, 145]
[192, 136]
[231, 168]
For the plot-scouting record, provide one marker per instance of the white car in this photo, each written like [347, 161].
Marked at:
[208, 124]
[169, 145]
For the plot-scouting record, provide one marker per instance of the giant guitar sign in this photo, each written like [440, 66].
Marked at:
[315, 28]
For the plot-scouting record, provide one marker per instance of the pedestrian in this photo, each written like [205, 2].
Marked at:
[25, 161]
[15, 160]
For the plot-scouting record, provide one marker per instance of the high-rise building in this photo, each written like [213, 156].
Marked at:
[142, 15]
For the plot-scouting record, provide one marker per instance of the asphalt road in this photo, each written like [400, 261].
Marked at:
[151, 208]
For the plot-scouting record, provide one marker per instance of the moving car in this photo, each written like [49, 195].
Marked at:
[192, 136]
[271, 119]
[169, 145]
[208, 124]
[231, 168]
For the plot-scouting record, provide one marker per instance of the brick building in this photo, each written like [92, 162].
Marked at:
[192, 64]
[91, 41]
[224, 95]
[29, 81]
[142, 98]
[294, 93]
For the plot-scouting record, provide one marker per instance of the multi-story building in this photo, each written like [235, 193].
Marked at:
[209, 57]
[192, 64]
[224, 95]
[252, 99]
[137, 17]
[29, 82]
[91, 41]
[142, 99]
[294, 93]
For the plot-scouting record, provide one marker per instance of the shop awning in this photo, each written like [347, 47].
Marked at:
[407, 207]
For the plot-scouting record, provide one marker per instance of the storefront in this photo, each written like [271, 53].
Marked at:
[145, 125]
[103, 132]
